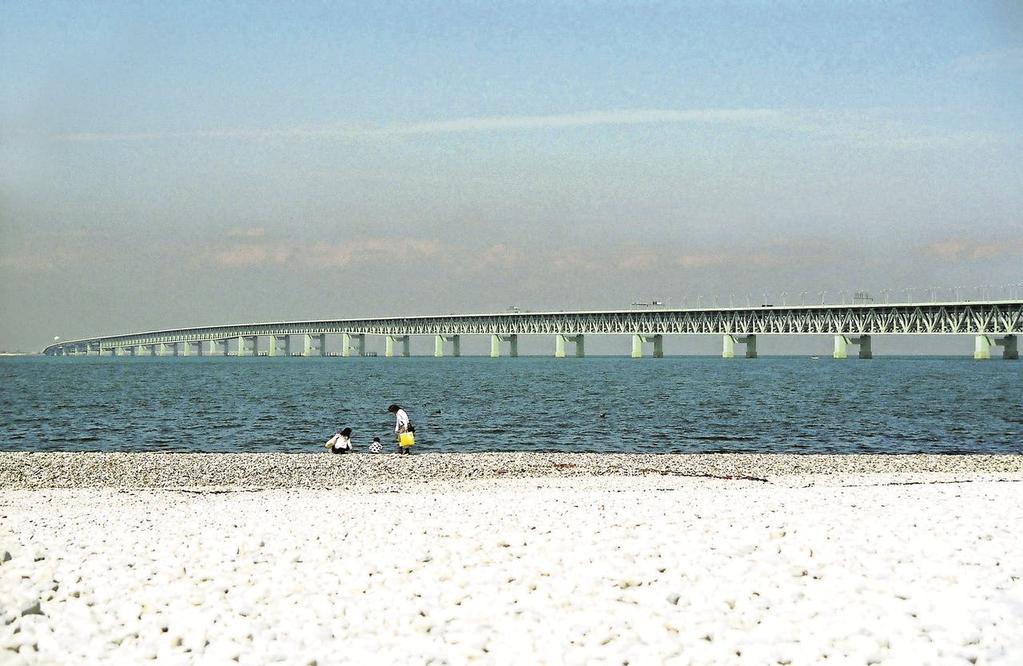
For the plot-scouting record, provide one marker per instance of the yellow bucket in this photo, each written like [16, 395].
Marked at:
[406, 439]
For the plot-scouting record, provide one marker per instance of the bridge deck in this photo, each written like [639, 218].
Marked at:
[971, 318]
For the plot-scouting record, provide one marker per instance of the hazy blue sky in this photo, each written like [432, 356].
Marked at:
[171, 164]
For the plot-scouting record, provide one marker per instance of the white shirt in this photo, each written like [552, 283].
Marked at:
[338, 442]
[400, 421]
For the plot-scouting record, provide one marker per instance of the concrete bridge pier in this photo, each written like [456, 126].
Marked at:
[280, 344]
[389, 345]
[181, 349]
[346, 344]
[561, 339]
[984, 343]
[495, 345]
[729, 342]
[315, 343]
[456, 345]
[244, 345]
[842, 343]
[637, 345]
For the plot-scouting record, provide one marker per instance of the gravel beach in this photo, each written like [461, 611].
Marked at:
[289, 470]
[510, 558]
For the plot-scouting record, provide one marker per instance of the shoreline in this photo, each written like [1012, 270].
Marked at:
[41, 470]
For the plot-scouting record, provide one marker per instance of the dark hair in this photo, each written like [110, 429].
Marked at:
[393, 408]
[347, 432]
[376, 439]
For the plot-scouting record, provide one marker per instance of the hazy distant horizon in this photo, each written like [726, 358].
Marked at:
[172, 165]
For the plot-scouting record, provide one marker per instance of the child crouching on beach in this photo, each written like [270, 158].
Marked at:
[341, 442]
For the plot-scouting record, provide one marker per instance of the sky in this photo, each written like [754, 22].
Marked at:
[178, 164]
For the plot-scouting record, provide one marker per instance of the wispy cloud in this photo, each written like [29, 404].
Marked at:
[320, 254]
[637, 259]
[1010, 59]
[246, 232]
[589, 119]
[964, 249]
[484, 124]
[881, 128]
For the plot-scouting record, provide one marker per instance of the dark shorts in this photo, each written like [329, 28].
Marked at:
[340, 451]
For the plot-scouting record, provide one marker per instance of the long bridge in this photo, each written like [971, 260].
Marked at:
[992, 323]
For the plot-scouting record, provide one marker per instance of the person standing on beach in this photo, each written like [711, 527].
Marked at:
[403, 429]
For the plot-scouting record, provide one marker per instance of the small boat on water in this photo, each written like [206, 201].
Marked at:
[815, 358]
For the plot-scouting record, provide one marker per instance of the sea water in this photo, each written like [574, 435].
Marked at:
[595, 404]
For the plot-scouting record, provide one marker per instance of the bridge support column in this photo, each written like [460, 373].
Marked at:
[1010, 347]
[181, 349]
[389, 345]
[495, 345]
[984, 343]
[729, 341]
[842, 343]
[561, 339]
[346, 344]
[315, 343]
[280, 344]
[456, 345]
[637, 345]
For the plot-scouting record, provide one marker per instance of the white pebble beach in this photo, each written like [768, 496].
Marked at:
[510, 558]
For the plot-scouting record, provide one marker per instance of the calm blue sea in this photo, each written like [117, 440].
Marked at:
[682, 404]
